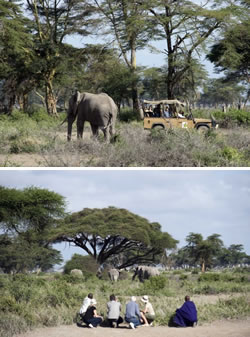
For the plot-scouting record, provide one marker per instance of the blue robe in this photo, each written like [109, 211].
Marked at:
[186, 315]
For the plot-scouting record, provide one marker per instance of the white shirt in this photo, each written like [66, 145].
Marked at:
[85, 305]
[166, 113]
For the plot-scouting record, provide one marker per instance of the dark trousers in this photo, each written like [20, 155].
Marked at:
[94, 321]
[115, 321]
[134, 320]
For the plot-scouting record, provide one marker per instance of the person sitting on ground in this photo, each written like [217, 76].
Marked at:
[91, 318]
[133, 315]
[148, 314]
[86, 304]
[187, 314]
[114, 308]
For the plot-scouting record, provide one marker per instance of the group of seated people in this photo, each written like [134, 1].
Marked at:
[157, 112]
[134, 316]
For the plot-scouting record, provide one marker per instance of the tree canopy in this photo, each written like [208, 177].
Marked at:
[114, 234]
[37, 57]
[25, 219]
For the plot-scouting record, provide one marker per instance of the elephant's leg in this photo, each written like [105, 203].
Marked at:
[71, 120]
[95, 130]
[106, 133]
[80, 128]
[112, 130]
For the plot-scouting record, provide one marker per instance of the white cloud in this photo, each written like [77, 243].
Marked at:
[182, 201]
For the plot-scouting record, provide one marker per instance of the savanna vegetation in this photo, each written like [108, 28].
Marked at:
[30, 301]
[40, 70]
[33, 295]
[38, 140]
[33, 219]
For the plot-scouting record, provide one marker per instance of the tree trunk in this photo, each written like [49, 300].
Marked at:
[50, 99]
[203, 267]
[170, 80]
[23, 102]
[135, 97]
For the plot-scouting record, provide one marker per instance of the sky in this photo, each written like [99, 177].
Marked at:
[146, 57]
[182, 201]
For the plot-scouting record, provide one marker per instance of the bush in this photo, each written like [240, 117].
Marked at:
[183, 277]
[155, 284]
[209, 277]
[127, 115]
[86, 264]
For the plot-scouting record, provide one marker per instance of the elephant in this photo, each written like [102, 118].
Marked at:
[145, 272]
[98, 109]
[76, 272]
[113, 274]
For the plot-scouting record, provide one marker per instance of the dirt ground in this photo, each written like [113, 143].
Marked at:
[232, 328]
[22, 160]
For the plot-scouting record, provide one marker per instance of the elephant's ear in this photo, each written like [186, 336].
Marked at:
[77, 99]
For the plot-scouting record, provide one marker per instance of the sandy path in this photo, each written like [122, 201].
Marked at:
[233, 328]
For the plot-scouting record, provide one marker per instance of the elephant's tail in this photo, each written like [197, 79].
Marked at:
[110, 121]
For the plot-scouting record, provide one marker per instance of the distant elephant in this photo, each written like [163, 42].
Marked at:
[76, 272]
[145, 272]
[98, 109]
[113, 274]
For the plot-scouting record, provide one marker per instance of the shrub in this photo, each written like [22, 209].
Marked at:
[209, 277]
[183, 277]
[155, 284]
[127, 115]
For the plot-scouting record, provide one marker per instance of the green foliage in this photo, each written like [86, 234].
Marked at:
[127, 115]
[106, 233]
[25, 216]
[209, 277]
[133, 146]
[232, 117]
[155, 284]
[225, 308]
[232, 52]
[29, 301]
[87, 264]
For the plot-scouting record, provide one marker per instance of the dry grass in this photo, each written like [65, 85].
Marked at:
[25, 142]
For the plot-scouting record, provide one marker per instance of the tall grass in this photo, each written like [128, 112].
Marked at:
[29, 301]
[41, 136]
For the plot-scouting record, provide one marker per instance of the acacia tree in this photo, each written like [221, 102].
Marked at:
[114, 234]
[16, 55]
[185, 26]
[25, 218]
[203, 251]
[53, 21]
[231, 55]
[220, 91]
[132, 29]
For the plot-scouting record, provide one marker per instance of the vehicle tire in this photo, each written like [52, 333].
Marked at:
[202, 128]
[158, 127]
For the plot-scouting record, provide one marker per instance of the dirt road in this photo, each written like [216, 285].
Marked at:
[233, 328]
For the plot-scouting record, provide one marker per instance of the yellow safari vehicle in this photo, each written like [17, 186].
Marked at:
[165, 114]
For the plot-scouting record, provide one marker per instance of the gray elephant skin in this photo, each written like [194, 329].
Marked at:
[98, 109]
[113, 274]
[76, 272]
[145, 272]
